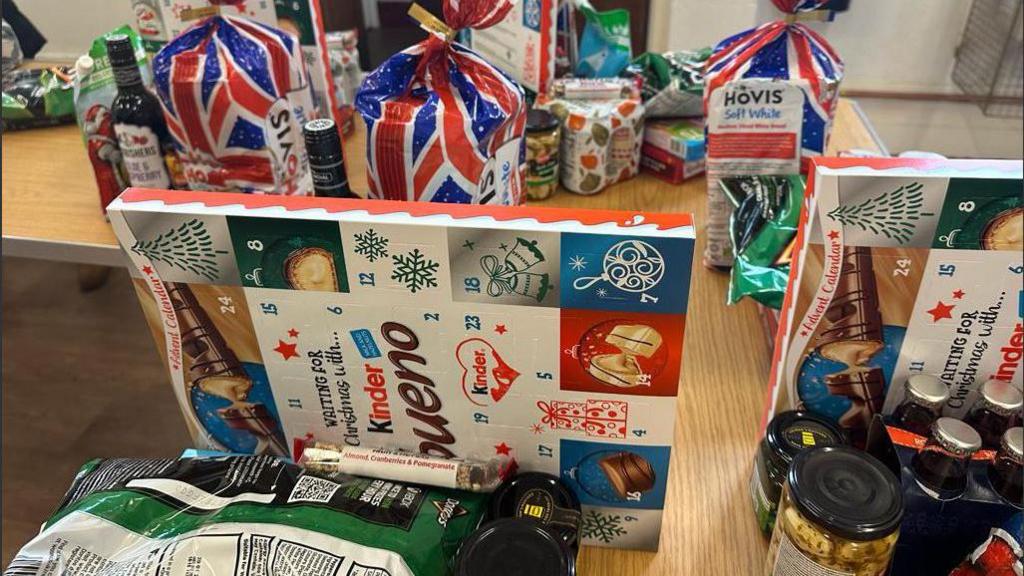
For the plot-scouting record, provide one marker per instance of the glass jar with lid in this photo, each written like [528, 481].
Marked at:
[542, 141]
[839, 516]
[923, 397]
[1006, 473]
[940, 468]
[788, 434]
[996, 410]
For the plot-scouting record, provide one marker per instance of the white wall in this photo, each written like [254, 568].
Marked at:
[892, 45]
[70, 26]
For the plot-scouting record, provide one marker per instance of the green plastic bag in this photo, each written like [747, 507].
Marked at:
[762, 230]
[673, 82]
[38, 97]
[605, 46]
[222, 516]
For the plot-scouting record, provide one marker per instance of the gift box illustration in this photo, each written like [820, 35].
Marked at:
[901, 267]
[348, 321]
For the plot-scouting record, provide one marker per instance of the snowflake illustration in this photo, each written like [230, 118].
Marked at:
[371, 245]
[414, 270]
[189, 247]
[601, 292]
[603, 527]
[577, 263]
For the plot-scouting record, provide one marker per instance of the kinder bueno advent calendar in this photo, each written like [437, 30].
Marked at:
[901, 267]
[552, 336]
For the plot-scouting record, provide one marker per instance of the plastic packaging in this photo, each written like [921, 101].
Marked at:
[605, 47]
[250, 515]
[11, 50]
[673, 82]
[474, 475]
[442, 124]
[38, 97]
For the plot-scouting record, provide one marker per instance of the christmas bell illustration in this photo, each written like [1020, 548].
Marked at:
[510, 275]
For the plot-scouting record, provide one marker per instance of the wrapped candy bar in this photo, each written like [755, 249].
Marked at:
[235, 94]
[601, 141]
[673, 82]
[769, 97]
[442, 124]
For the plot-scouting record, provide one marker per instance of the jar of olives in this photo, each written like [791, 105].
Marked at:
[788, 434]
[941, 467]
[839, 516]
[923, 398]
[542, 141]
[1006, 473]
[996, 410]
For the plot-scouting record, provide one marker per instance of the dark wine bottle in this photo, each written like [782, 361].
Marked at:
[138, 120]
[326, 163]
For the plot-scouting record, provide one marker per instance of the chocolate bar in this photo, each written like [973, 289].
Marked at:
[853, 324]
[865, 389]
[635, 339]
[215, 368]
[628, 473]
[620, 370]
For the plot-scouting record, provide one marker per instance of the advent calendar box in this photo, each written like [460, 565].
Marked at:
[552, 336]
[901, 267]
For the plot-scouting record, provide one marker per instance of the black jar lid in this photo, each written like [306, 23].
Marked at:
[540, 121]
[846, 492]
[514, 546]
[794, 431]
[542, 497]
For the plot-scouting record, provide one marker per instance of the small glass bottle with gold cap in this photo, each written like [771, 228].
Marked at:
[923, 398]
[996, 410]
[940, 468]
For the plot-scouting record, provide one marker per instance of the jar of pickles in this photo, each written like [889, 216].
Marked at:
[788, 434]
[839, 516]
[542, 141]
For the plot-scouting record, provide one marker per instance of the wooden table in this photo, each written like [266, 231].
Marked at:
[50, 210]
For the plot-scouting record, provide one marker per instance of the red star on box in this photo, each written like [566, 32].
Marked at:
[958, 294]
[833, 234]
[500, 328]
[503, 449]
[293, 333]
[536, 428]
[147, 270]
[941, 311]
[286, 350]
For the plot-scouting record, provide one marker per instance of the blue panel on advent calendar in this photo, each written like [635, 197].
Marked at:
[636, 274]
[619, 475]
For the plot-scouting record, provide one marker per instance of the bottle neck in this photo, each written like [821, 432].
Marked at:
[127, 76]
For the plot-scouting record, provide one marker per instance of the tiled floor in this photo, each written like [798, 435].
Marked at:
[952, 129]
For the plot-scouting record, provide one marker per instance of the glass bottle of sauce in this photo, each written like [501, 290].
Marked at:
[788, 434]
[996, 410]
[940, 468]
[922, 403]
[1006, 473]
[840, 514]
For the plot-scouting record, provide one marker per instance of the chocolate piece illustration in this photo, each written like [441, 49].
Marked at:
[1005, 231]
[628, 473]
[635, 339]
[853, 325]
[866, 390]
[311, 268]
[620, 370]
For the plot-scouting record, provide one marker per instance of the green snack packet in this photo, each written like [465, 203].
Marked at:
[762, 230]
[605, 46]
[673, 82]
[247, 515]
[38, 97]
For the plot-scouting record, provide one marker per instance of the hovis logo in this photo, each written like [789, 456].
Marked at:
[486, 378]
[448, 509]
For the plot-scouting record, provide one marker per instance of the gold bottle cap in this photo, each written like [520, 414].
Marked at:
[1002, 397]
[956, 436]
[927, 389]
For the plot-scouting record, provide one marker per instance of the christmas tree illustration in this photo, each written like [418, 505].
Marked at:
[892, 214]
[189, 247]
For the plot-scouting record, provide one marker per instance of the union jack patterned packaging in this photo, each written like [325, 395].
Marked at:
[443, 125]
[235, 94]
[769, 97]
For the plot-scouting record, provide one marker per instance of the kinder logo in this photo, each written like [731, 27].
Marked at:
[486, 377]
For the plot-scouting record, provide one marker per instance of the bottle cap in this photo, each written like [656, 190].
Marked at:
[1001, 397]
[120, 50]
[927, 390]
[514, 546]
[1012, 443]
[84, 65]
[320, 130]
[541, 497]
[846, 492]
[791, 432]
[540, 121]
[956, 436]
